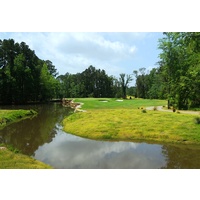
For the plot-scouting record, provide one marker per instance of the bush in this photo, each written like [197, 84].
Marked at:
[197, 120]
[144, 111]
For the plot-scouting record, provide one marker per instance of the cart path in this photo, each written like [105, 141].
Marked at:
[160, 108]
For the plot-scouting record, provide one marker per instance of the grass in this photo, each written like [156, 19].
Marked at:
[98, 103]
[12, 160]
[10, 116]
[114, 120]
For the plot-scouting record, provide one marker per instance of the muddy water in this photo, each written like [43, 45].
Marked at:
[42, 138]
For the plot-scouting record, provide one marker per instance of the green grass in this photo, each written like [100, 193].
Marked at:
[10, 116]
[124, 121]
[97, 103]
[12, 160]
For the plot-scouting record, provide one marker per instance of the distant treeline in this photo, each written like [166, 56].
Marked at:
[92, 82]
[25, 78]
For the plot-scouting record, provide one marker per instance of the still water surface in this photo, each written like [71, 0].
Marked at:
[42, 138]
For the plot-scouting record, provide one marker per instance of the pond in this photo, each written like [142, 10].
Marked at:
[43, 139]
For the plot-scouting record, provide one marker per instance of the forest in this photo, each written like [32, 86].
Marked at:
[25, 78]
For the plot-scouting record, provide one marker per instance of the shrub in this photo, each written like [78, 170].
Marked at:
[144, 111]
[197, 120]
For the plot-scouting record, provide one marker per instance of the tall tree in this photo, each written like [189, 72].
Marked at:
[179, 65]
[124, 81]
[51, 68]
[141, 83]
[22, 80]
[8, 51]
[22, 74]
[49, 84]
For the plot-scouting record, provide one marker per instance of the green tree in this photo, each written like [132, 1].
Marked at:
[131, 91]
[91, 82]
[51, 68]
[8, 51]
[155, 87]
[48, 84]
[179, 66]
[22, 76]
[141, 83]
[124, 81]
[22, 80]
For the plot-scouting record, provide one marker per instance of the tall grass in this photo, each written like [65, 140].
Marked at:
[114, 120]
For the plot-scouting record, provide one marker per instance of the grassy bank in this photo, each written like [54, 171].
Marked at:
[122, 120]
[10, 116]
[12, 160]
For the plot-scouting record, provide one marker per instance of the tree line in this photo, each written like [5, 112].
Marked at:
[177, 77]
[25, 78]
[95, 83]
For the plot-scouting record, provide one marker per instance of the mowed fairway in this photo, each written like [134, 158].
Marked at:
[111, 103]
[125, 120]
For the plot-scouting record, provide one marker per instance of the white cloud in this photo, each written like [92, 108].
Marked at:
[74, 52]
[91, 45]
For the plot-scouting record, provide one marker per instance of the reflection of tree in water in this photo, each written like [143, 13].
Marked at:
[181, 156]
[29, 134]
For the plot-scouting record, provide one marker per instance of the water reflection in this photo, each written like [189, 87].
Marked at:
[181, 156]
[27, 135]
[68, 151]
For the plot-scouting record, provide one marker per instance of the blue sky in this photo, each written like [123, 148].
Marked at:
[73, 52]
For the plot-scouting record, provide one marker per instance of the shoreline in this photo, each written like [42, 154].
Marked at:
[12, 159]
[8, 117]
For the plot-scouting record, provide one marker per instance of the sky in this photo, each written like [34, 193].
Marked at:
[73, 52]
[117, 36]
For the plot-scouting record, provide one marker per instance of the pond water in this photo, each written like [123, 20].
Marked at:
[43, 139]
